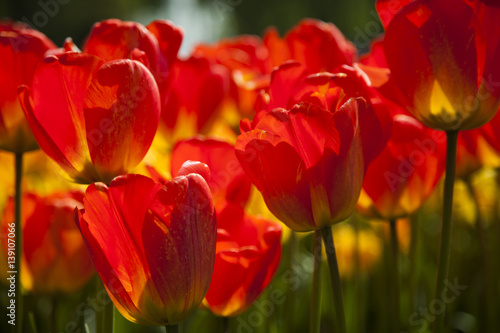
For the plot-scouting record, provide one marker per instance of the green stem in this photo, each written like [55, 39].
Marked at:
[288, 318]
[172, 328]
[53, 315]
[315, 319]
[357, 322]
[32, 322]
[490, 294]
[393, 276]
[225, 324]
[334, 279]
[108, 322]
[445, 248]
[413, 274]
[19, 240]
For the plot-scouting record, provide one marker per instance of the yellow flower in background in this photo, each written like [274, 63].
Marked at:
[40, 175]
[347, 242]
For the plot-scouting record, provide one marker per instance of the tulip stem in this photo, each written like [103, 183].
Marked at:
[18, 240]
[315, 316]
[172, 328]
[225, 324]
[32, 322]
[334, 279]
[53, 317]
[413, 274]
[108, 322]
[289, 308]
[445, 249]
[393, 276]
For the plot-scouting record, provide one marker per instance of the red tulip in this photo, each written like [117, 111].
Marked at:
[95, 120]
[490, 133]
[152, 245]
[197, 89]
[247, 256]
[406, 172]
[156, 46]
[249, 65]
[228, 181]
[21, 48]
[292, 84]
[309, 159]
[468, 152]
[307, 162]
[319, 46]
[248, 248]
[411, 164]
[55, 259]
[448, 68]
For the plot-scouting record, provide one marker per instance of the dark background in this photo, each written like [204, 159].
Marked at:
[59, 19]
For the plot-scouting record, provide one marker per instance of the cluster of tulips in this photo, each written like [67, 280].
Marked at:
[178, 180]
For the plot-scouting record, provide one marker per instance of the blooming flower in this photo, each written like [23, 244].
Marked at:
[152, 245]
[248, 247]
[95, 120]
[155, 45]
[448, 66]
[55, 259]
[21, 48]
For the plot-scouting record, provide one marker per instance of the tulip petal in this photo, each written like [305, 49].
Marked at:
[112, 224]
[442, 63]
[59, 86]
[197, 90]
[21, 49]
[194, 167]
[114, 39]
[319, 46]
[387, 9]
[122, 110]
[279, 173]
[307, 128]
[284, 79]
[43, 138]
[179, 238]
[228, 180]
[169, 38]
[249, 251]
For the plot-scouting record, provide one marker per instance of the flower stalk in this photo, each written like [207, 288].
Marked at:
[445, 248]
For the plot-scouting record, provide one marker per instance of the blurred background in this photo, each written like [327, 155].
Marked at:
[202, 20]
[365, 288]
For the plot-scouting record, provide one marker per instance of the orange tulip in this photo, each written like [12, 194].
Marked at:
[21, 48]
[228, 182]
[317, 45]
[196, 92]
[152, 245]
[247, 256]
[248, 247]
[155, 45]
[95, 120]
[406, 172]
[309, 160]
[55, 259]
[320, 46]
[448, 68]
[411, 164]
